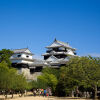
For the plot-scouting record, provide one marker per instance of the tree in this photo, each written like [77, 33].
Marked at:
[53, 71]
[10, 81]
[20, 84]
[5, 54]
[80, 71]
[49, 80]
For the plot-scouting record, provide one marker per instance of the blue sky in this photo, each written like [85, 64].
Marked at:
[35, 24]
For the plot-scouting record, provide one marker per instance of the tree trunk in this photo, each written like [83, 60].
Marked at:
[19, 94]
[77, 92]
[95, 92]
[72, 94]
[12, 94]
[5, 95]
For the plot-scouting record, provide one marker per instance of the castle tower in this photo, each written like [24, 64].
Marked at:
[58, 53]
[22, 57]
[23, 61]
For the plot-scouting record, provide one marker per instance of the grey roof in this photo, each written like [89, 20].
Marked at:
[38, 63]
[57, 43]
[24, 50]
[52, 58]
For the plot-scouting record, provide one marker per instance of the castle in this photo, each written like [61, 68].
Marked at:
[57, 55]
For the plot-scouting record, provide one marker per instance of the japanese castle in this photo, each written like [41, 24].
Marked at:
[57, 55]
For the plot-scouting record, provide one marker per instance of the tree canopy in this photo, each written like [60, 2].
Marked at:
[79, 74]
[5, 55]
[10, 80]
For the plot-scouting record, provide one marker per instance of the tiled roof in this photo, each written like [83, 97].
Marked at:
[19, 50]
[52, 59]
[24, 50]
[38, 63]
[57, 43]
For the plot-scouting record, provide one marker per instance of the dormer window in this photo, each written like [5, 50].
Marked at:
[18, 55]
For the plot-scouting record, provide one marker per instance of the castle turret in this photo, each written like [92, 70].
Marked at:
[22, 56]
[23, 61]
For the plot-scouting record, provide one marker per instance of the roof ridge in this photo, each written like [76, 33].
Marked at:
[20, 49]
[62, 42]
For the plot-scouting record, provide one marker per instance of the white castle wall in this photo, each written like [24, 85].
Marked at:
[21, 61]
[70, 52]
[26, 62]
[25, 56]
[22, 56]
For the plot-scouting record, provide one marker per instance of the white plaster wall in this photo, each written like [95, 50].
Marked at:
[24, 56]
[26, 62]
[70, 52]
[21, 61]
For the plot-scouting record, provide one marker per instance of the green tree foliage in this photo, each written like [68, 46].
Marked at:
[80, 72]
[38, 84]
[5, 54]
[51, 71]
[49, 79]
[67, 82]
[3, 75]
[10, 80]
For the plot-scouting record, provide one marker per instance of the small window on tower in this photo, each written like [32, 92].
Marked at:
[27, 56]
[18, 55]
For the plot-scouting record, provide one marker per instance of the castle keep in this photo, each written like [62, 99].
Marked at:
[58, 53]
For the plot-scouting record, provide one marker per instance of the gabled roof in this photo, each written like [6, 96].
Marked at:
[57, 43]
[67, 58]
[52, 59]
[24, 50]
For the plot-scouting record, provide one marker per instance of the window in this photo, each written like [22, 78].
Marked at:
[27, 56]
[18, 55]
[32, 71]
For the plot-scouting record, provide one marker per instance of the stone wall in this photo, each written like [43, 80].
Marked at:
[28, 75]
